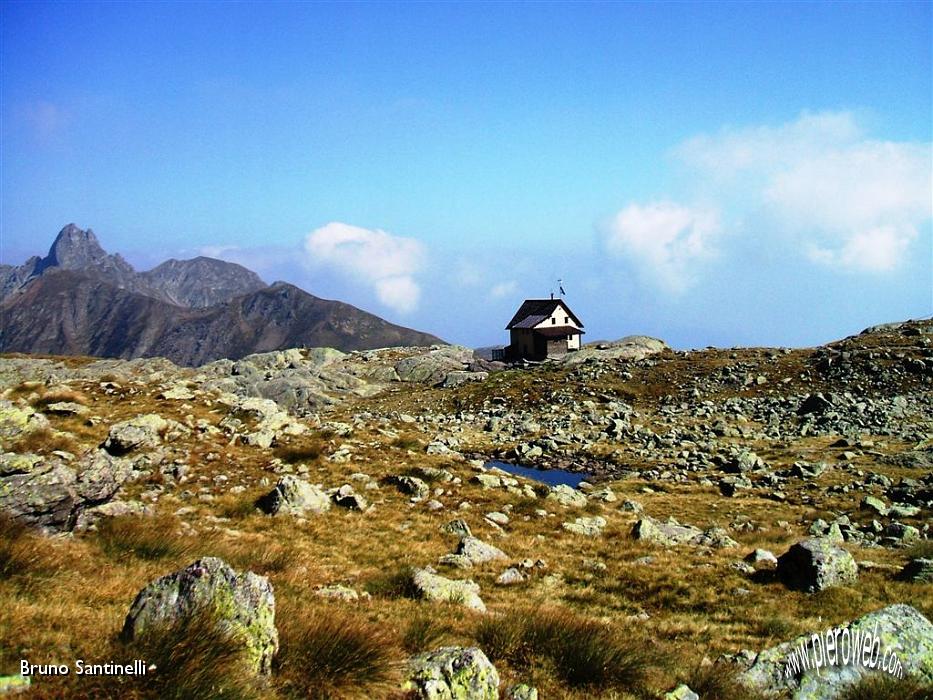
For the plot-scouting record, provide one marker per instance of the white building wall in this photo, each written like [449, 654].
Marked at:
[560, 317]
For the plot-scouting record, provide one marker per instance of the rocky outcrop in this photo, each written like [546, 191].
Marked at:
[452, 673]
[241, 603]
[139, 432]
[900, 630]
[815, 564]
[51, 494]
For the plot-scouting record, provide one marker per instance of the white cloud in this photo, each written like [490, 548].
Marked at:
[388, 263]
[503, 289]
[665, 240]
[840, 198]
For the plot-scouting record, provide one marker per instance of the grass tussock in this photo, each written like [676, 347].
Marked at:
[583, 653]
[264, 557]
[150, 539]
[719, 681]
[403, 442]
[23, 553]
[196, 658]
[878, 686]
[423, 633]
[392, 583]
[59, 395]
[922, 549]
[327, 655]
[302, 452]
[44, 441]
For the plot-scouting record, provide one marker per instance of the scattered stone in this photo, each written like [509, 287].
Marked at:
[510, 577]
[243, 603]
[479, 552]
[521, 691]
[337, 591]
[761, 557]
[458, 528]
[682, 692]
[567, 496]
[412, 486]
[672, 533]
[347, 497]
[144, 431]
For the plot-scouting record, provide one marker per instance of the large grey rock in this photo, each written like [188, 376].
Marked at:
[815, 564]
[241, 603]
[901, 630]
[15, 420]
[50, 494]
[429, 586]
[452, 673]
[293, 496]
[632, 347]
[412, 486]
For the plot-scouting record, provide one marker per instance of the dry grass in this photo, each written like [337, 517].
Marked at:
[149, 539]
[305, 451]
[44, 441]
[424, 632]
[59, 395]
[878, 686]
[584, 653]
[332, 653]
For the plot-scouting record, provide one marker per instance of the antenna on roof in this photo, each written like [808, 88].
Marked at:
[560, 286]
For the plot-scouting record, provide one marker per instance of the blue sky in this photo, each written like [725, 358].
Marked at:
[710, 173]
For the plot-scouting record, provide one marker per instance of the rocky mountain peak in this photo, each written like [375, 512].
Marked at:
[74, 248]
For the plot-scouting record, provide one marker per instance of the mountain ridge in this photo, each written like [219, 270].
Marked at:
[80, 300]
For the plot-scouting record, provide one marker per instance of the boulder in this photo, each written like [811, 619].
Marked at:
[144, 431]
[347, 497]
[672, 533]
[15, 420]
[452, 673]
[591, 527]
[412, 486]
[294, 496]
[816, 564]
[567, 496]
[242, 604]
[918, 570]
[479, 552]
[429, 586]
[901, 630]
[51, 494]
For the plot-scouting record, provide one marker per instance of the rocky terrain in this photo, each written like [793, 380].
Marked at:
[80, 300]
[317, 523]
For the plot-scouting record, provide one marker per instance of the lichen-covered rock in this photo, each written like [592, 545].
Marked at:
[521, 691]
[430, 586]
[672, 533]
[590, 527]
[815, 564]
[138, 432]
[242, 603]
[452, 673]
[681, 692]
[293, 496]
[15, 420]
[901, 629]
[567, 496]
[50, 494]
[479, 552]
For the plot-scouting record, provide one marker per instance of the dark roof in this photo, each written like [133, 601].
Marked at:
[542, 308]
[557, 331]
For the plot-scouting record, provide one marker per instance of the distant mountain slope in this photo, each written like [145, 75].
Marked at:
[201, 282]
[80, 300]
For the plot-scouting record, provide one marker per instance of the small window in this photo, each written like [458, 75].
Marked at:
[566, 319]
[553, 321]
[569, 336]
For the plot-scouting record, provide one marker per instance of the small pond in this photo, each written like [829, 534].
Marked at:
[551, 477]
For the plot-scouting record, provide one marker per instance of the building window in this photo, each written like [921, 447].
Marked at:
[553, 321]
[569, 336]
[566, 319]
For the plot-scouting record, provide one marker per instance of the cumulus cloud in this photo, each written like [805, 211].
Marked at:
[841, 198]
[817, 187]
[664, 240]
[503, 289]
[386, 262]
